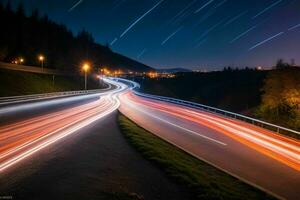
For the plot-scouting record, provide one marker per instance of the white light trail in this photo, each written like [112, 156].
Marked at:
[266, 9]
[242, 34]
[140, 18]
[171, 35]
[141, 53]
[208, 31]
[128, 102]
[220, 4]
[266, 40]
[37, 133]
[200, 43]
[75, 5]
[235, 18]
[182, 11]
[294, 27]
[112, 42]
[202, 7]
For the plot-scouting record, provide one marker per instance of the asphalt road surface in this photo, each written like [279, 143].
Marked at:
[95, 162]
[68, 148]
[20, 139]
[71, 148]
[255, 155]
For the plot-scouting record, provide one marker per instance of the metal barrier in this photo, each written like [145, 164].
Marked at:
[33, 97]
[218, 111]
[134, 85]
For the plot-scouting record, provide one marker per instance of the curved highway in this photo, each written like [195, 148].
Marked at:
[23, 137]
[257, 156]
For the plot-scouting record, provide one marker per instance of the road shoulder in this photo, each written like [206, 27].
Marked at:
[204, 181]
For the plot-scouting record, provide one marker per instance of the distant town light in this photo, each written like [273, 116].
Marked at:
[259, 68]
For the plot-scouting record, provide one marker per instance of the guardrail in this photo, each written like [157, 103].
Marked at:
[211, 109]
[254, 121]
[33, 97]
[134, 85]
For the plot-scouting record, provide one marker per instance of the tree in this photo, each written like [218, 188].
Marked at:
[8, 7]
[35, 14]
[281, 97]
[28, 36]
[281, 64]
[20, 10]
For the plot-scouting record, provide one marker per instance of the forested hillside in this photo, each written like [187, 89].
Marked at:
[28, 36]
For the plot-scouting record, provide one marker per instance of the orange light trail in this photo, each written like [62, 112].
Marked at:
[283, 149]
[22, 139]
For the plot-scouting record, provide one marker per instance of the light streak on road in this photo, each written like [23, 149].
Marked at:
[24, 138]
[266, 40]
[280, 148]
[176, 125]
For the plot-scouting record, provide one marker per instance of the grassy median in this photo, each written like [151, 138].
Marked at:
[202, 179]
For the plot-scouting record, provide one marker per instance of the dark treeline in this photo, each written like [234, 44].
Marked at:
[28, 36]
[272, 95]
[236, 90]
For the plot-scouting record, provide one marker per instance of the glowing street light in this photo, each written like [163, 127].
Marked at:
[21, 60]
[85, 68]
[41, 59]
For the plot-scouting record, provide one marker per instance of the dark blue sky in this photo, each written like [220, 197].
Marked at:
[196, 34]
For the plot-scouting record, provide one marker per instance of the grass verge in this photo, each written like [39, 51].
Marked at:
[203, 180]
[22, 83]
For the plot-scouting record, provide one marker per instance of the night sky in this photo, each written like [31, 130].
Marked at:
[195, 34]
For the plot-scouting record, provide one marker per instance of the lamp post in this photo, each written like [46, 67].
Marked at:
[85, 68]
[41, 59]
[99, 78]
[21, 60]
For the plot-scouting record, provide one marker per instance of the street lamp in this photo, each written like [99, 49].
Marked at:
[85, 68]
[41, 59]
[21, 60]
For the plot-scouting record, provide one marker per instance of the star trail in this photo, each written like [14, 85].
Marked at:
[171, 35]
[140, 18]
[266, 40]
[266, 9]
[242, 34]
[193, 34]
[75, 5]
